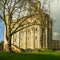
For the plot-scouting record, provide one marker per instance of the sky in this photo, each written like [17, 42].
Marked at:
[55, 13]
[1, 31]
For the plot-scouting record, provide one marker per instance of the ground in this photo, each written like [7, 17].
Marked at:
[48, 55]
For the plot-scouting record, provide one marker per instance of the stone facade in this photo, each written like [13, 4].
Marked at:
[37, 34]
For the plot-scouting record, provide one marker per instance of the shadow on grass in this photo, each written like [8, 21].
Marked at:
[23, 56]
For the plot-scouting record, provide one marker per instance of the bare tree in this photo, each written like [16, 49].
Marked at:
[11, 12]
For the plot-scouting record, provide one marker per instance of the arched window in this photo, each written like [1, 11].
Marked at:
[15, 40]
[36, 29]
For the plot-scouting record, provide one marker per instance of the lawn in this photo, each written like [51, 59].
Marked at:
[30, 56]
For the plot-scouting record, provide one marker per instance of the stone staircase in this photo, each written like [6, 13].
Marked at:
[15, 48]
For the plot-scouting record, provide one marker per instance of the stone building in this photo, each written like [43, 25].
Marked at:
[35, 34]
[56, 44]
[1, 45]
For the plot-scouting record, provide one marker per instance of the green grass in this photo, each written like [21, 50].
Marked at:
[48, 55]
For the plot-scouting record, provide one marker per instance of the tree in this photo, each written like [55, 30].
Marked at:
[11, 12]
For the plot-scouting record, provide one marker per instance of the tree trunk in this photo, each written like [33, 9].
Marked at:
[9, 44]
[8, 34]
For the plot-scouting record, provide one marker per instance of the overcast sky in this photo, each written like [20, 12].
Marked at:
[55, 13]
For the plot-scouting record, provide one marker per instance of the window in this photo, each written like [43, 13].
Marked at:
[32, 28]
[43, 30]
[43, 22]
[36, 29]
[36, 38]
[22, 31]
[28, 30]
[35, 22]
[15, 40]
